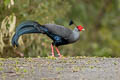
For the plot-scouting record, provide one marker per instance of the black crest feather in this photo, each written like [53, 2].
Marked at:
[71, 22]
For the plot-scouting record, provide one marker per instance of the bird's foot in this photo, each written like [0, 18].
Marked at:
[58, 52]
[60, 56]
[53, 55]
[19, 53]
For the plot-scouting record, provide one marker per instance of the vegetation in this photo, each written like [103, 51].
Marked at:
[99, 17]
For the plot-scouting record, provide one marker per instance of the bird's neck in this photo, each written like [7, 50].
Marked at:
[76, 34]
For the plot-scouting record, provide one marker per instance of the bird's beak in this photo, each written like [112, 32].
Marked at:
[83, 29]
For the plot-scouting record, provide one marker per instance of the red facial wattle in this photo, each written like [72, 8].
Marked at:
[80, 28]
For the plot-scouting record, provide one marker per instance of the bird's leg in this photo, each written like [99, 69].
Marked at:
[58, 52]
[52, 49]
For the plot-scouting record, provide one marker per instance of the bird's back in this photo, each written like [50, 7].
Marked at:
[59, 30]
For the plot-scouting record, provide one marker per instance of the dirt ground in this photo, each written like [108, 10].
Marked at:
[71, 68]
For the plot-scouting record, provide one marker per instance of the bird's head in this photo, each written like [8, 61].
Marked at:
[80, 28]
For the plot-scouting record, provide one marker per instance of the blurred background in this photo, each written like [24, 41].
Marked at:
[100, 18]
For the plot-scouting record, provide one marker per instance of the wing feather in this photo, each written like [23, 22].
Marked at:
[59, 30]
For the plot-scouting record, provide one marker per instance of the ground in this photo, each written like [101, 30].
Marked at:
[50, 68]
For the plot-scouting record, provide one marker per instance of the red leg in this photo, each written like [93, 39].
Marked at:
[58, 52]
[52, 49]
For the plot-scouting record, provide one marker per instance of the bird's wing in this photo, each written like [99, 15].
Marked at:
[59, 30]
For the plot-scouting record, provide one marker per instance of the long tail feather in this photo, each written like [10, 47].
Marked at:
[27, 24]
[27, 27]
